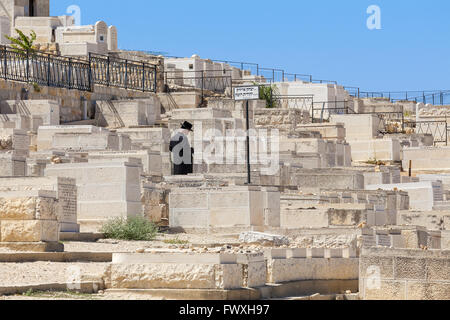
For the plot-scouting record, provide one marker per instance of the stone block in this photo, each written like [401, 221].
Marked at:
[66, 194]
[127, 113]
[48, 110]
[427, 158]
[315, 252]
[224, 207]
[404, 274]
[154, 139]
[387, 290]
[12, 165]
[287, 270]
[28, 205]
[175, 271]
[421, 290]
[258, 237]
[46, 134]
[119, 182]
[358, 126]
[422, 195]
[298, 253]
[29, 231]
[375, 149]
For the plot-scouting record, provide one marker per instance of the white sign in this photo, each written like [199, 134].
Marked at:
[246, 93]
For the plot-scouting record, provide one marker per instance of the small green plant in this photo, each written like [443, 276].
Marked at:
[269, 94]
[131, 229]
[36, 87]
[175, 241]
[29, 293]
[23, 43]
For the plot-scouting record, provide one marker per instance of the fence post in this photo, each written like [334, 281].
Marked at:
[231, 85]
[48, 71]
[446, 131]
[90, 72]
[28, 66]
[155, 80]
[5, 62]
[143, 76]
[126, 74]
[70, 73]
[203, 84]
[107, 72]
[403, 120]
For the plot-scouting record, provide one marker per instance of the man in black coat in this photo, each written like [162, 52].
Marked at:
[182, 153]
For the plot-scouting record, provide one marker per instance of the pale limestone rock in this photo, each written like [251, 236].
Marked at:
[18, 209]
[175, 276]
[29, 208]
[262, 238]
[6, 142]
[29, 231]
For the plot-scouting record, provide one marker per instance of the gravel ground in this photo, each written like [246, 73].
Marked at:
[161, 242]
[74, 296]
[167, 241]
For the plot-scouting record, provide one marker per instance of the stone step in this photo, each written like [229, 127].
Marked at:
[55, 257]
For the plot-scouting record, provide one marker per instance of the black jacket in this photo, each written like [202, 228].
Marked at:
[185, 167]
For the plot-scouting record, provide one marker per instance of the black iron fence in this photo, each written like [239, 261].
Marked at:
[270, 74]
[122, 73]
[302, 102]
[44, 69]
[72, 73]
[438, 129]
[217, 81]
[391, 122]
[435, 97]
[244, 66]
[323, 111]
[294, 77]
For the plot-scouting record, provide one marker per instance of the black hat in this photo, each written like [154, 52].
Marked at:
[186, 125]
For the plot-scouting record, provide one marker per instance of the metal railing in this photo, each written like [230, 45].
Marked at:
[44, 69]
[438, 129]
[294, 77]
[322, 111]
[391, 121]
[324, 81]
[435, 97]
[270, 74]
[301, 102]
[252, 67]
[217, 81]
[122, 73]
[72, 73]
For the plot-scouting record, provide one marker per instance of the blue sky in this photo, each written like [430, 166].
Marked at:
[326, 38]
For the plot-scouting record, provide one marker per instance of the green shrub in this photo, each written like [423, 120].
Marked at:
[269, 94]
[36, 87]
[131, 229]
